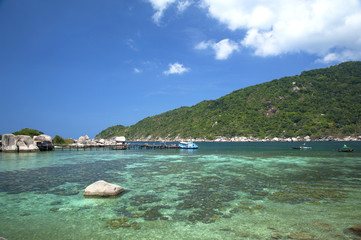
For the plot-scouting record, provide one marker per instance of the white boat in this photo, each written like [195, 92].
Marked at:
[188, 145]
[302, 147]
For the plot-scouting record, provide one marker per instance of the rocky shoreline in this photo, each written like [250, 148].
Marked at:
[22, 143]
[251, 139]
[85, 140]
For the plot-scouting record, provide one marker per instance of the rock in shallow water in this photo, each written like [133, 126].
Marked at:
[355, 230]
[301, 236]
[103, 189]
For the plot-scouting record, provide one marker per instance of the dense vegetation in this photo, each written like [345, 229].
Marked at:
[28, 132]
[118, 130]
[69, 141]
[58, 140]
[317, 103]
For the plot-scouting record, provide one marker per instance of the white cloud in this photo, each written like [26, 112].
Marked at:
[137, 70]
[131, 44]
[329, 29]
[160, 6]
[183, 5]
[223, 49]
[176, 68]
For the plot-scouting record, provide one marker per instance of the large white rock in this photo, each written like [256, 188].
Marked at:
[9, 143]
[102, 188]
[307, 138]
[43, 138]
[26, 144]
[19, 143]
[81, 140]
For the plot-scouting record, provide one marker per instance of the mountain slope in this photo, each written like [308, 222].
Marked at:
[316, 103]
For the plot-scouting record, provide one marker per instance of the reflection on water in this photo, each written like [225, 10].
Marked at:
[220, 191]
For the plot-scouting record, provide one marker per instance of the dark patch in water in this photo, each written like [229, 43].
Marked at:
[144, 199]
[152, 214]
[42, 180]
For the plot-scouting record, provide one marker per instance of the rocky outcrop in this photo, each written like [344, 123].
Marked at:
[19, 143]
[102, 188]
[42, 138]
[248, 139]
[81, 140]
[26, 144]
[9, 143]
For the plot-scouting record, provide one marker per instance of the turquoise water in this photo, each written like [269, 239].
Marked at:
[220, 191]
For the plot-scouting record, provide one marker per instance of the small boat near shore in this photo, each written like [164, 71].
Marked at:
[188, 145]
[302, 147]
[345, 149]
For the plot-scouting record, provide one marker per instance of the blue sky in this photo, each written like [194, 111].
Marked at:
[72, 68]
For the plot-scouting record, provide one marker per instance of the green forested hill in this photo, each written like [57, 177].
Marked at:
[316, 103]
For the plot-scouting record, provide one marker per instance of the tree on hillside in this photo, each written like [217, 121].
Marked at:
[58, 140]
[28, 132]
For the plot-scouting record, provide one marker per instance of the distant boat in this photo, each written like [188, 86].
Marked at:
[188, 145]
[302, 147]
[345, 149]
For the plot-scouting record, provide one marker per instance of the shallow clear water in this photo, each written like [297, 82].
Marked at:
[220, 191]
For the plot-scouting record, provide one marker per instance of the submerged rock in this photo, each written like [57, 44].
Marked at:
[54, 209]
[323, 226]
[116, 223]
[152, 214]
[355, 230]
[301, 236]
[103, 189]
[276, 236]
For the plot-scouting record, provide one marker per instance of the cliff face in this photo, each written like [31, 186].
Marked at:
[317, 103]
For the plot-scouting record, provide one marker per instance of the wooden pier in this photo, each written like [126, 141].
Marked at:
[127, 146]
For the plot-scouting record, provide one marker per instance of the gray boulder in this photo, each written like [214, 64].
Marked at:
[9, 143]
[26, 144]
[81, 140]
[102, 188]
[42, 138]
[19, 143]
